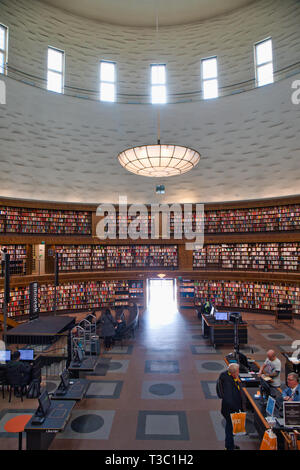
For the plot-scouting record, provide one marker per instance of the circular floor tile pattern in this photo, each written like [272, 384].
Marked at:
[87, 423]
[114, 365]
[212, 366]
[162, 389]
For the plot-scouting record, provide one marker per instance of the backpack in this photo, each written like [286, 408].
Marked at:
[219, 388]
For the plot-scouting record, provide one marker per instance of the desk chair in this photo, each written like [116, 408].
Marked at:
[17, 378]
[3, 382]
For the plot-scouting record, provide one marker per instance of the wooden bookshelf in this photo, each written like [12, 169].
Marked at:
[255, 296]
[111, 257]
[18, 259]
[249, 256]
[186, 291]
[76, 295]
[22, 220]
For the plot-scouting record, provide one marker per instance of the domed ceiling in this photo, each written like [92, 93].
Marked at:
[144, 12]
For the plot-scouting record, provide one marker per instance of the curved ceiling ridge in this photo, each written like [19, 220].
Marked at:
[143, 13]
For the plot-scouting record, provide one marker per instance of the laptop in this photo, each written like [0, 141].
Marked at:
[270, 408]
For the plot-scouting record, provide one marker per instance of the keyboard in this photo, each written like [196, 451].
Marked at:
[61, 393]
[57, 413]
[280, 421]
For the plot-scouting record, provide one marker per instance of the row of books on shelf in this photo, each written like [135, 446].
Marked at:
[70, 296]
[17, 258]
[265, 256]
[248, 295]
[89, 257]
[267, 219]
[23, 220]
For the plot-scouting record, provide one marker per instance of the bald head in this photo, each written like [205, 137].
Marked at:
[271, 355]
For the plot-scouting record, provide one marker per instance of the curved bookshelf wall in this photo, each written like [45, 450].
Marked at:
[250, 270]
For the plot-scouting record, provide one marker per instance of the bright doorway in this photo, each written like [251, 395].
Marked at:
[162, 298]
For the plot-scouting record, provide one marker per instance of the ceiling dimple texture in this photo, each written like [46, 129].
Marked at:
[254, 154]
[144, 12]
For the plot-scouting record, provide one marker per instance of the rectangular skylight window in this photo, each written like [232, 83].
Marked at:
[107, 81]
[55, 72]
[264, 62]
[158, 84]
[3, 47]
[209, 69]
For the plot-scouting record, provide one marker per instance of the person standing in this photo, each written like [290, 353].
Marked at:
[108, 328]
[271, 368]
[292, 392]
[230, 390]
[3, 252]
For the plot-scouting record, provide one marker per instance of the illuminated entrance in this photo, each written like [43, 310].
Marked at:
[162, 299]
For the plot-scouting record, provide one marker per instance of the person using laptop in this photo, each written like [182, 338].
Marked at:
[271, 368]
[292, 392]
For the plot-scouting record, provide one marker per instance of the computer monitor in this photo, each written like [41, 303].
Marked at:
[291, 414]
[44, 402]
[221, 316]
[265, 389]
[65, 379]
[212, 311]
[270, 406]
[26, 354]
[242, 360]
[5, 355]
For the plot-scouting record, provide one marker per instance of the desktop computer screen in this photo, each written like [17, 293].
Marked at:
[270, 406]
[65, 379]
[291, 414]
[221, 316]
[5, 356]
[44, 402]
[26, 354]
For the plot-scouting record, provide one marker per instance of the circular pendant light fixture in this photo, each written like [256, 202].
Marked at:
[159, 160]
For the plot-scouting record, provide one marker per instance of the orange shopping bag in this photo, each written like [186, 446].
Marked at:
[269, 441]
[238, 423]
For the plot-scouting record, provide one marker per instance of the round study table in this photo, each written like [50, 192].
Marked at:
[17, 424]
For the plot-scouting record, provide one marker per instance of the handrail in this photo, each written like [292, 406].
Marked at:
[126, 98]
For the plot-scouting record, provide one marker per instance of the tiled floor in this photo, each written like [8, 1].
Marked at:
[158, 390]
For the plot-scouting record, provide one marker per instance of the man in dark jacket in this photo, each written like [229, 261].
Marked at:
[231, 401]
[108, 328]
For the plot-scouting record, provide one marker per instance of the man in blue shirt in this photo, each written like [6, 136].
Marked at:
[292, 392]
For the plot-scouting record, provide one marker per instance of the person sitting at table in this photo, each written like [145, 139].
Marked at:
[18, 372]
[271, 368]
[292, 392]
